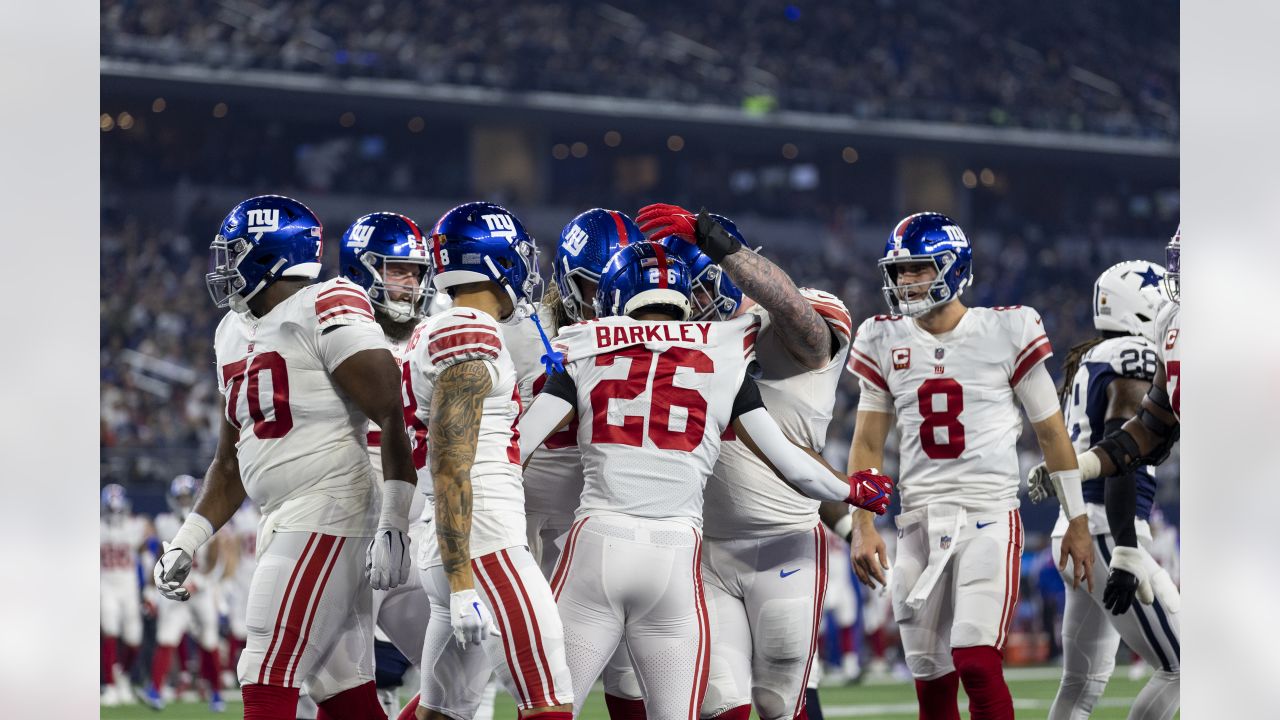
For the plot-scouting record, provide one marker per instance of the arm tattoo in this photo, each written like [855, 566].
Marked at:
[456, 408]
[804, 332]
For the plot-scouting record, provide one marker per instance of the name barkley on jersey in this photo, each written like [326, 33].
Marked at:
[607, 337]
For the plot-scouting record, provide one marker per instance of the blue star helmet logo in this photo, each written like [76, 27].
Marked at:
[1150, 278]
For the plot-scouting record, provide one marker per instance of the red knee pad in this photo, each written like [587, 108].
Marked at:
[357, 703]
[982, 672]
[621, 708]
[937, 697]
[269, 702]
[107, 675]
[160, 661]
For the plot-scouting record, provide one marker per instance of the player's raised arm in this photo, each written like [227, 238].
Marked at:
[800, 467]
[455, 429]
[807, 336]
[550, 411]
[371, 378]
[222, 493]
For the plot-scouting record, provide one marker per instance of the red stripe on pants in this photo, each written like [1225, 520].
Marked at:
[311, 615]
[537, 632]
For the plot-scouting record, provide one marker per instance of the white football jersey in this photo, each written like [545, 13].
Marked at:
[553, 475]
[119, 537]
[302, 441]
[1168, 324]
[374, 437]
[244, 529]
[202, 565]
[749, 498]
[957, 414]
[444, 340]
[654, 398]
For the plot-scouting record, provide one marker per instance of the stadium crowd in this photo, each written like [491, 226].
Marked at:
[1072, 67]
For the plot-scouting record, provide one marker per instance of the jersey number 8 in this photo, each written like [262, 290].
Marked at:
[949, 419]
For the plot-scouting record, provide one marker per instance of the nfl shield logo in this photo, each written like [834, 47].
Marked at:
[937, 354]
[946, 542]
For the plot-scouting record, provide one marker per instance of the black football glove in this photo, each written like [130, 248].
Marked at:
[1122, 586]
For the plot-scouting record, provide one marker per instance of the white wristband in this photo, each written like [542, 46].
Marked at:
[844, 526]
[1090, 465]
[397, 497]
[195, 531]
[1067, 484]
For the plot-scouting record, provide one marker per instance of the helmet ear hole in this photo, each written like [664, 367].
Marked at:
[266, 260]
[505, 263]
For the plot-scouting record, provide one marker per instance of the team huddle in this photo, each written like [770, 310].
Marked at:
[622, 479]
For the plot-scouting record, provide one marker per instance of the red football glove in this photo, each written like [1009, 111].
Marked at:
[660, 220]
[870, 490]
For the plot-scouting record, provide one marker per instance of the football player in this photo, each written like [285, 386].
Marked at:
[460, 386]
[765, 561]
[122, 537]
[1104, 381]
[1144, 439]
[653, 395]
[198, 616]
[303, 367]
[952, 377]
[384, 253]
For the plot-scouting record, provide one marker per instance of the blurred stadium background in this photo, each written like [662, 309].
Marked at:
[1049, 132]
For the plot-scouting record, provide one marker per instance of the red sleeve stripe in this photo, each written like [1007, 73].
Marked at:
[486, 339]
[477, 350]
[1031, 345]
[837, 319]
[344, 310]
[866, 359]
[1037, 355]
[350, 300]
[749, 342]
[341, 287]
[866, 372]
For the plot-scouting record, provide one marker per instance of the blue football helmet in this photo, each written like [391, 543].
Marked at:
[714, 294]
[373, 241]
[114, 500]
[483, 242]
[926, 237]
[643, 274]
[1173, 266]
[586, 244]
[182, 495]
[261, 240]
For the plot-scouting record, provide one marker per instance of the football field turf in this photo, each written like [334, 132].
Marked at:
[1033, 690]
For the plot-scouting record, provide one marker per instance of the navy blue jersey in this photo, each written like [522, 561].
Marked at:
[1130, 356]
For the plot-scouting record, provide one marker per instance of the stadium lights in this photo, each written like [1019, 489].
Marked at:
[987, 177]
[158, 105]
[969, 179]
[347, 119]
[675, 143]
[613, 138]
[416, 124]
[220, 110]
[849, 155]
[106, 122]
[560, 151]
[790, 151]
[124, 121]
[579, 149]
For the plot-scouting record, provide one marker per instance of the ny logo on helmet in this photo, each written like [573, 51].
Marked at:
[360, 235]
[263, 220]
[576, 240]
[956, 235]
[501, 225]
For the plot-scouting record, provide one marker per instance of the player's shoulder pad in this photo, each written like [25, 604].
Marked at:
[1127, 355]
[749, 325]
[864, 362]
[461, 334]
[1165, 317]
[832, 310]
[340, 302]
[1027, 336]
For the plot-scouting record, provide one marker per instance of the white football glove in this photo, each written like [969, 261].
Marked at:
[1039, 485]
[171, 572]
[387, 561]
[469, 618]
[1154, 582]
